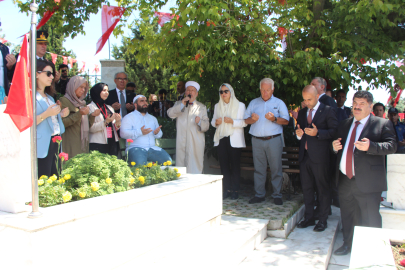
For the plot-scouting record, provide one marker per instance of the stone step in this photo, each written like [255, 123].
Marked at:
[303, 249]
[225, 245]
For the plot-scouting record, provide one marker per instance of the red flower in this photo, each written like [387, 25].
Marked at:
[63, 156]
[57, 139]
[402, 262]
[130, 141]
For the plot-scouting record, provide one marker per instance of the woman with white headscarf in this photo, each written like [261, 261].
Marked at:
[229, 137]
[75, 140]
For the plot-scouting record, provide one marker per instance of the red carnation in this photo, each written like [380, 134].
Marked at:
[63, 156]
[57, 139]
[129, 141]
[402, 262]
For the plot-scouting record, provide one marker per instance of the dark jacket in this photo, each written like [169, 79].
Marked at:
[327, 100]
[7, 74]
[155, 108]
[369, 166]
[318, 146]
[113, 97]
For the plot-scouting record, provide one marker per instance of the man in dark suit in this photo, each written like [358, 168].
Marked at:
[119, 98]
[343, 112]
[130, 89]
[320, 85]
[159, 108]
[361, 144]
[316, 127]
[7, 62]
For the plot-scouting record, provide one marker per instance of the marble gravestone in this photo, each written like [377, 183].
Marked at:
[15, 166]
[396, 180]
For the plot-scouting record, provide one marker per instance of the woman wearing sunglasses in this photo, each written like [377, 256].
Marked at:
[103, 133]
[76, 138]
[49, 119]
[229, 137]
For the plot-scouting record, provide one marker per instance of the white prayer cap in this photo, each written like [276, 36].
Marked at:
[194, 84]
[138, 96]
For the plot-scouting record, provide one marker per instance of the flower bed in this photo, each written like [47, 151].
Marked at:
[95, 174]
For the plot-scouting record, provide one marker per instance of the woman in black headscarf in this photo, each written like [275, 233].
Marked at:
[103, 133]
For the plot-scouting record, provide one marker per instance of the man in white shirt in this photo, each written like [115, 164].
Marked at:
[143, 129]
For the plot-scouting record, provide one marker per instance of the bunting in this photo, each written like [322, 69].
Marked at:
[82, 69]
[54, 57]
[96, 69]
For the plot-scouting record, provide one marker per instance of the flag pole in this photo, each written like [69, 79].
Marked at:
[34, 170]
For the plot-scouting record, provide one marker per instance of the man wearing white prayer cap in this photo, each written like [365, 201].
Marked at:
[143, 129]
[192, 122]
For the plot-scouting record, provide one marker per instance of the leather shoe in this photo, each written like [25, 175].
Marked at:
[226, 194]
[278, 201]
[256, 200]
[234, 195]
[343, 250]
[306, 223]
[320, 226]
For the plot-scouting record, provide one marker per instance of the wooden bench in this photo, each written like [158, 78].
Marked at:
[289, 162]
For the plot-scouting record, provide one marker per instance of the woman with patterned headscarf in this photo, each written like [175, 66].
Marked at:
[229, 137]
[75, 140]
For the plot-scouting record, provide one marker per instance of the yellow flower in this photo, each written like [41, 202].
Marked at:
[169, 162]
[176, 170]
[108, 180]
[61, 180]
[95, 186]
[137, 169]
[67, 196]
[40, 182]
[131, 180]
[132, 173]
[133, 163]
[141, 180]
[155, 164]
[67, 177]
[145, 166]
[82, 194]
[43, 177]
[149, 164]
[164, 163]
[178, 175]
[49, 181]
[53, 178]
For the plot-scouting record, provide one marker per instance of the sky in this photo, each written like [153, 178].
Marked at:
[14, 24]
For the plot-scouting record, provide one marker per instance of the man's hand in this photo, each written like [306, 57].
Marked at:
[10, 58]
[129, 106]
[228, 120]
[255, 117]
[218, 121]
[401, 143]
[362, 145]
[156, 131]
[65, 112]
[270, 116]
[5, 100]
[57, 76]
[96, 113]
[197, 119]
[337, 145]
[184, 100]
[146, 131]
[84, 110]
[299, 131]
[311, 131]
[116, 106]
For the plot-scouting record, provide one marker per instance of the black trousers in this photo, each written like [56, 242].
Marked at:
[334, 194]
[110, 148]
[47, 165]
[229, 160]
[315, 174]
[357, 208]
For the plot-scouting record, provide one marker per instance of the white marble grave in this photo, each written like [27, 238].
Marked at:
[396, 180]
[15, 166]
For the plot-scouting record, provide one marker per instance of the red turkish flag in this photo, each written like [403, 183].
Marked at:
[82, 69]
[164, 17]
[2, 40]
[65, 60]
[110, 16]
[47, 15]
[54, 57]
[72, 61]
[19, 104]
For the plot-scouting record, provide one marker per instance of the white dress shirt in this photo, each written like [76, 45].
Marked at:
[119, 97]
[342, 165]
[313, 114]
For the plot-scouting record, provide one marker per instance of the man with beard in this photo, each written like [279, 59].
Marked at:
[143, 129]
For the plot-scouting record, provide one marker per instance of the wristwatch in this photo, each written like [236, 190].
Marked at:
[275, 119]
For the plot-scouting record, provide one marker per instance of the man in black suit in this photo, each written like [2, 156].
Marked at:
[320, 85]
[361, 144]
[316, 127]
[159, 108]
[7, 62]
[119, 98]
[343, 112]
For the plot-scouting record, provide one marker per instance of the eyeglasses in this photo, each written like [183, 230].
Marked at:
[64, 70]
[48, 73]
[223, 92]
[122, 79]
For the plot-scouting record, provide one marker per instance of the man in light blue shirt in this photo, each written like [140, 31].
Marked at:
[266, 115]
[143, 129]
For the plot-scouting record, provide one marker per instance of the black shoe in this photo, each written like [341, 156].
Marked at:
[306, 223]
[226, 194]
[343, 250]
[234, 195]
[320, 226]
[278, 201]
[256, 200]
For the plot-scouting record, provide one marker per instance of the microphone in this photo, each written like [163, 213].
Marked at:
[188, 101]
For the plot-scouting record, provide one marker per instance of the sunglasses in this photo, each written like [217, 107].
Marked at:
[223, 92]
[64, 70]
[48, 73]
